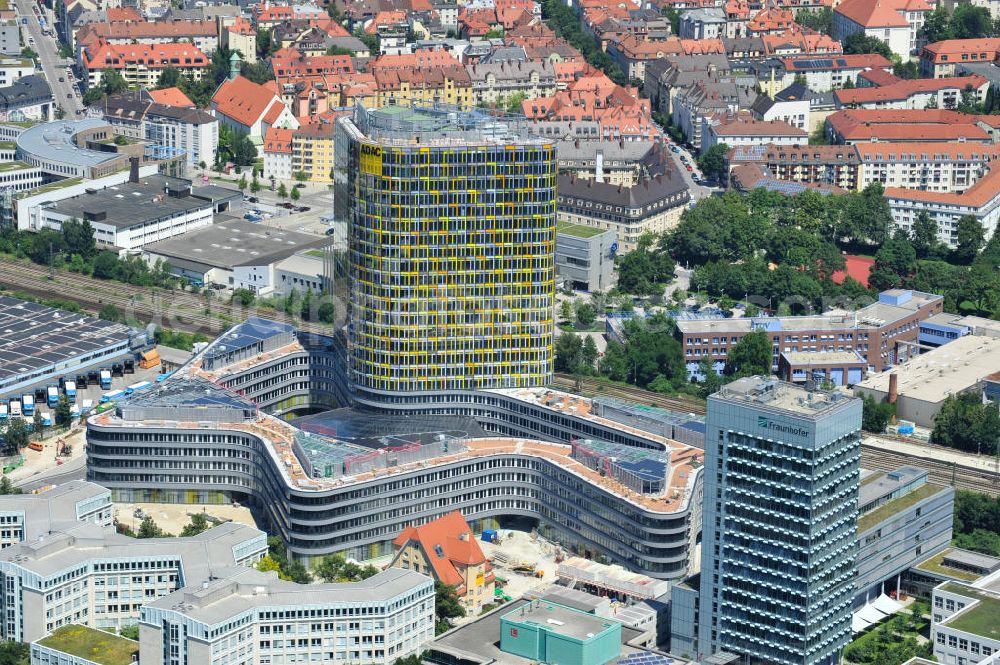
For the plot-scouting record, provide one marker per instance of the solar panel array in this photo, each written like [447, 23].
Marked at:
[646, 659]
[33, 336]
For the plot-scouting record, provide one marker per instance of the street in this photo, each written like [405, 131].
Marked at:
[52, 64]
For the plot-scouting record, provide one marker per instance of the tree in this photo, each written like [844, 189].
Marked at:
[906, 70]
[859, 42]
[7, 487]
[971, 22]
[875, 415]
[295, 195]
[751, 356]
[111, 83]
[964, 422]
[254, 184]
[713, 162]
[446, 606]
[937, 25]
[258, 72]
[170, 77]
[244, 297]
[243, 150]
[820, 20]
[282, 191]
[64, 411]
[79, 237]
[818, 136]
[106, 265]
[16, 436]
[265, 45]
[585, 315]
[29, 53]
[327, 312]
[15, 653]
[336, 568]
[895, 262]
[242, 183]
[199, 523]
[130, 632]
[970, 240]
[37, 425]
[60, 112]
[568, 353]
[149, 529]
[924, 235]
[566, 310]
[268, 564]
[301, 176]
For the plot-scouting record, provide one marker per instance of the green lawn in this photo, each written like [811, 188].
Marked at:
[94, 645]
[982, 619]
[884, 511]
[577, 230]
[13, 166]
[934, 565]
[53, 186]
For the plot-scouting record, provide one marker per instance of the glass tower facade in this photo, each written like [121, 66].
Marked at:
[451, 239]
[780, 517]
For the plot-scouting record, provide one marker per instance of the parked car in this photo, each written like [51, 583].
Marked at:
[303, 209]
[287, 204]
[329, 232]
[252, 199]
[689, 168]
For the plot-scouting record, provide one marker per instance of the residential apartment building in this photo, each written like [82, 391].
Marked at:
[12, 69]
[277, 150]
[91, 575]
[28, 98]
[653, 205]
[140, 64]
[837, 165]
[203, 34]
[246, 617]
[707, 96]
[744, 130]
[707, 23]
[940, 59]
[905, 125]
[27, 517]
[615, 162]
[497, 83]
[312, 151]
[981, 200]
[425, 78]
[827, 73]
[882, 333]
[507, 343]
[791, 110]
[666, 76]
[446, 550]
[779, 534]
[896, 22]
[170, 130]
[933, 167]
[944, 93]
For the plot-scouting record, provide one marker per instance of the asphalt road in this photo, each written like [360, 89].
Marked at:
[75, 469]
[52, 64]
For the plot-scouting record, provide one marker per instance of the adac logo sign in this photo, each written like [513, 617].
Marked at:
[371, 159]
[766, 423]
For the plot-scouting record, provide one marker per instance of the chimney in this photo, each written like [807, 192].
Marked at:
[133, 173]
[893, 388]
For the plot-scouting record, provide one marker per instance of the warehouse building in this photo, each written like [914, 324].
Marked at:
[40, 344]
[244, 255]
[926, 381]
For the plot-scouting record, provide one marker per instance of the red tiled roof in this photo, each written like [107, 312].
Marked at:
[277, 139]
[140, 30]
[243, 100]
[906, 125]
[976, 196]
[984, 50]
[171, 97]
[241, 26]
[447, 543]
[102, 55]
[879, 77]
[116, 14]
[880, 13]
[905, 89]
[856, 267]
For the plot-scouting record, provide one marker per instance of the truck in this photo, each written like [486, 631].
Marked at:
[105, 379]
[74, 410]
[46, 418]
[137, 387]
[3, 412]
[71, 389]
[28, 404]
[81, 381]
[53, 395]
[87, 407]
[15, 408]
[112, 396]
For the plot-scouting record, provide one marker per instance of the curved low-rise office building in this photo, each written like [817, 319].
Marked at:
[615, 491]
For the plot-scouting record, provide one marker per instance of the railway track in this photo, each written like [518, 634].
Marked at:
[593, 388]
[877, 458]
[166, 308]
